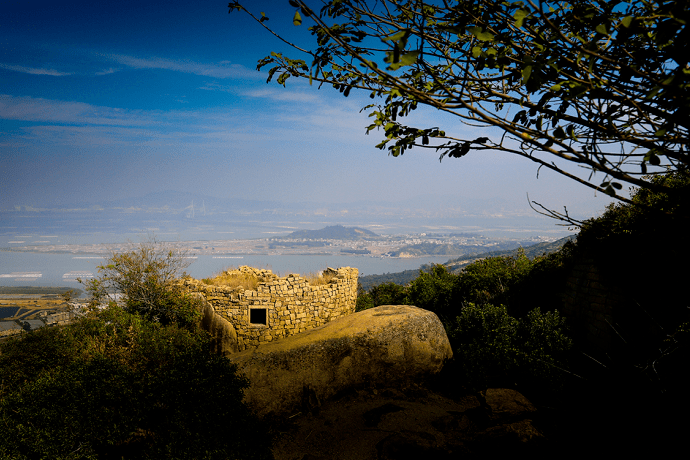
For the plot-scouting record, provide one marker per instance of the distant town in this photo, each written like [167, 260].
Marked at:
[330, 240]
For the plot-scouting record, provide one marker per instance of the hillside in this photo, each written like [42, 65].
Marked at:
[455, 265]
[334, 232]
[463, 250]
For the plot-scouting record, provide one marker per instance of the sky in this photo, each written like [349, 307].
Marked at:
[111, 100]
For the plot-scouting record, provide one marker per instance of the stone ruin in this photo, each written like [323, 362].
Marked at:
[279, 307]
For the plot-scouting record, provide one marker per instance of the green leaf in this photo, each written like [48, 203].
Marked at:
[601, 28]
[660, 133]
[519, 115]
[609, 190]
[571, 131]
[627, 21]
[396, 37]
[520, 16]
[556, 87]
[652, 158]
[405, 59]
[526, 73]
[297, 20]
[483, 36]
[559, 133]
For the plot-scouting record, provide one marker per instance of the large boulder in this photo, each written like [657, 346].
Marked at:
[384, 346]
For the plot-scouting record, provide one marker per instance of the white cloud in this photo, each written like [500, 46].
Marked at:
[221, 70]
[281, 94]
[107, 71]
[34, 71]
[46, 110]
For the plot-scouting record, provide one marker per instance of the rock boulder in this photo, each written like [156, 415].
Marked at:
[384, 346]
[223, 334]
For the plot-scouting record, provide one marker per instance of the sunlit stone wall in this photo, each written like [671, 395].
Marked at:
[279, 307]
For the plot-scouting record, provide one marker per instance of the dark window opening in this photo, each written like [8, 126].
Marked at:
[257, 316]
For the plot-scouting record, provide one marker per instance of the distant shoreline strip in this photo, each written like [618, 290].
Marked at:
[22, 275]
[228, 257]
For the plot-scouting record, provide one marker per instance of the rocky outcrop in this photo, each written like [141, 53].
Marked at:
[223, 335]
[384, 346]
[416, 424]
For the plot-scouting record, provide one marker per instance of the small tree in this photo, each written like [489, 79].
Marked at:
[147, 277]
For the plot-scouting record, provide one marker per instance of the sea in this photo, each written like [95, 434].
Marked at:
[64, 269]
[39, 269]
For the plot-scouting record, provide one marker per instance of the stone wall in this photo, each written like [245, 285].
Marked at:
[279, 307]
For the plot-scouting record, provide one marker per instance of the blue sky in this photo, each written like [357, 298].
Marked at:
[109, 100]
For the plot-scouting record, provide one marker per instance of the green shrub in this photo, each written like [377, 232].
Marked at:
[492, 348]
[434, 291]
[364, 300]
[483, 339]
[383, 294]
[542, 348]
[490, 280]
[123, 386]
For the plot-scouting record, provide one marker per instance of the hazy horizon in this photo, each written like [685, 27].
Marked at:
[117, 101]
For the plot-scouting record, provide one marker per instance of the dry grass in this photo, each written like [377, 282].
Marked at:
[234, 279]
[319, 278]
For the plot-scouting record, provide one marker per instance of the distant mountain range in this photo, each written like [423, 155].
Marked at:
[334, 232]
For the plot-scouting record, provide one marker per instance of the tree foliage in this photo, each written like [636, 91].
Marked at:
[434, 290]
[493, 348]
[388, 293]
[147, 277]
[118, 385]
[590, 84]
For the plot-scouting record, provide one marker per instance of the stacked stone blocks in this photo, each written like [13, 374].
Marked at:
[291, 304]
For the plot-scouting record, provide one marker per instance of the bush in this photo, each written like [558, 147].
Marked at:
[542, 348]
[482, 338]
[123, 386]
[383, 294]
[434, 291]
[494, 349]
[364, 300]
[148, 278]
[490, 280]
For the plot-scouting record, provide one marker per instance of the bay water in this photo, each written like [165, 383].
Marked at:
[49, 269]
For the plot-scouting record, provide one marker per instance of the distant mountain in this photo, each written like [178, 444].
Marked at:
[335, 232]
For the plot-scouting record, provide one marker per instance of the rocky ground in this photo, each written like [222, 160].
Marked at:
[430, 422]
[416, 423]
